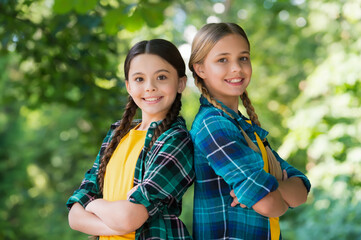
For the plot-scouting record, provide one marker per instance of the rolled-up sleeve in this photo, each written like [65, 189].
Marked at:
[229, 155]
[89, 189]
[292, 171]
[168, 174]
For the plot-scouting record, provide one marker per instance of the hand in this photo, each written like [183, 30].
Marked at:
[235, 200]
[92, 204]
[285, 175]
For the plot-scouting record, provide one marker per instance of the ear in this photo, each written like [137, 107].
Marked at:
[127, 86]
[182, 84]
[199, 69]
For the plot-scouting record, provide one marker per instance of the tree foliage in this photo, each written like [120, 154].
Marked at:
[61, 86]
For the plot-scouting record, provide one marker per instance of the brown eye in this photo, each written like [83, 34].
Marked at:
[244, 59]
[139, 79]
[161, 77]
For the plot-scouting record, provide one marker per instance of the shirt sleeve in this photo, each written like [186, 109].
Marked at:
[89, 189]
[224, 146]
[168, 174]
[292, 171]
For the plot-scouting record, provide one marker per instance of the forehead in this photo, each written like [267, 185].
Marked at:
[148, 63]
[230, 44]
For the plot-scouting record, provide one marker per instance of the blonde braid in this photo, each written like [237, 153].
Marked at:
[202, 88]
[249, 108]
[119, 133]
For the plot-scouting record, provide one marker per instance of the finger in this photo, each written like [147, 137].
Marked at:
[88, 207]
[232, 194]
[285, 175]
[242, 205]
[235, 202]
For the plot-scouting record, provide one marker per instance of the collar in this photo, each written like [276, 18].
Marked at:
[179, 122]
[238, 119]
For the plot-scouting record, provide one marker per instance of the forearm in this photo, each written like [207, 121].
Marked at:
[272, 205]
[86, 222]
[293, 191]
[121, 215]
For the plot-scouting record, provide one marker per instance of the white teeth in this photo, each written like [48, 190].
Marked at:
[151, 99]
[235, 80]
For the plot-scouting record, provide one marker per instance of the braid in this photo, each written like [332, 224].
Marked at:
[169, 119]
[250, 109]
[244, 97]
[119, 133]
[202, 88]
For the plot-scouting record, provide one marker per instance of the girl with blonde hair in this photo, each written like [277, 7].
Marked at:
[242, 186]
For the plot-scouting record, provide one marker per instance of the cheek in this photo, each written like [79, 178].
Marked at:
[216, 70]
[248, 68]
[172, 90]
[210, 73]
[134, 90]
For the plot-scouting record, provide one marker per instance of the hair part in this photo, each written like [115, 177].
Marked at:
[167, 51]
[160, 47]
[206, 38]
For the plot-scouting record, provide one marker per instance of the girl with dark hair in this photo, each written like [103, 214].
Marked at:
[242, 186]
[134, 189]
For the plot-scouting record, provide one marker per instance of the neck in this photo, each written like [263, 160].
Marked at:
[234, 107]
[231, 103]
[146, 121]
[143, 126]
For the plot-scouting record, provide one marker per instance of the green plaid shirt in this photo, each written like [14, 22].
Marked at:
[163, 175]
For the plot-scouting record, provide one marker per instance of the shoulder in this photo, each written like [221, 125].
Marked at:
[116, 124]
[211, 119]
[177, 129]
[208, 111]
[177, 135]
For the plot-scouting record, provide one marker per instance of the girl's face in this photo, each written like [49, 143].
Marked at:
[153, 84]
[227, 69]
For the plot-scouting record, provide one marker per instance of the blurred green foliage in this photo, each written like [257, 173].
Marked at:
[61, 86]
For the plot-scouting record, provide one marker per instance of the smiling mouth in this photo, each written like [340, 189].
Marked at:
[152, 99]
[234, 80]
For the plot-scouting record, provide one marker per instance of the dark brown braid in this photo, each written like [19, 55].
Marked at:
[119, 133]
[169, 119]
[167, 51]
[249, 108]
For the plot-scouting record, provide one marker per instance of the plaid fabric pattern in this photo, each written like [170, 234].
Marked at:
[223, 161]
[163, 175]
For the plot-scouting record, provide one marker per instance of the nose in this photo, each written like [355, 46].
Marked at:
[236, 66]
[150, 86]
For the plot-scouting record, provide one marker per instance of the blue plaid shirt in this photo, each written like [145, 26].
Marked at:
[223, 161]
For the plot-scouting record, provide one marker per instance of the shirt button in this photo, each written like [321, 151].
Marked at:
[149, 135]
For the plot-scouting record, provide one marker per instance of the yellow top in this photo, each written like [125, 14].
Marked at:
[119, 174]
[274, 222]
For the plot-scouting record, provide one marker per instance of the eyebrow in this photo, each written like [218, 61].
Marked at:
[162, 70]
[224, 54]
[158, 71]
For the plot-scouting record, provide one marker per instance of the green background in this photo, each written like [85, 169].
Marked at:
[62, 85]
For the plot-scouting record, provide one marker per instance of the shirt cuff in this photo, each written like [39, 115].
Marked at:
[81, 196]
[140, 196]
[254, 188]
